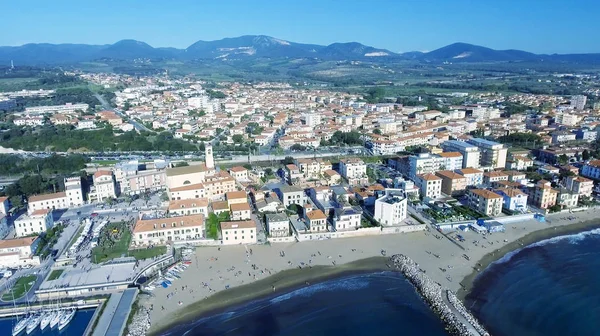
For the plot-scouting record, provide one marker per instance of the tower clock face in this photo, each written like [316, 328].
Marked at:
[209, 151]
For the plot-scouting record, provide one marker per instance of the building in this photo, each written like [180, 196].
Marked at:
[240, 211]
[519, 163]
[182, 176]
[291, 195]
[424, 163]
[452, 160]
[238, 232]
[513, 199]
[236, 197]
[104, 186]
[578, 102]
[591, 170]
[493, 154]
[474, 176]
[354, 170]
[452, 183]
[429, 185]
[494, 176]
[190, 191]
[567, 199]
[143, 182]
[187, 207]
[36, 222]
[544, 196]
[4, 230]
[561, 137]
[579, 185]
[18, 252]
[391, 209]
[316, 220]
[4, 205]
[293, 175]
[239, 173]
[68, 108]
[347, 218]
[73, 192]
[278, 225]
[485, 202]
[470, 153]
[169, 230]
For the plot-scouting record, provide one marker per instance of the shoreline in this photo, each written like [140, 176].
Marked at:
[285, 282]
[531, 238]
[219, 279]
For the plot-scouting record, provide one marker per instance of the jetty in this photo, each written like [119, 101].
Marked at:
[456, 317]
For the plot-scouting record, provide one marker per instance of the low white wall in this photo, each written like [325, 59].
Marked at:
[372, 231]
[515, 218]
[290, 239]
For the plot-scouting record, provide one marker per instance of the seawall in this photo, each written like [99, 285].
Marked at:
[457, 319]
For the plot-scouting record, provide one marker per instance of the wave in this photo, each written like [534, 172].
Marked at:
[350, 284]
[572, 238]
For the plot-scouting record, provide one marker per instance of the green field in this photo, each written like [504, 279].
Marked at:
[55, 274]
[22, 286]
[114, 242]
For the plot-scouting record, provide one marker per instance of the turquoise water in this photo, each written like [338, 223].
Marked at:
[75, 328]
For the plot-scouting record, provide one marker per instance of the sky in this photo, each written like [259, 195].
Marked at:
[540, 26]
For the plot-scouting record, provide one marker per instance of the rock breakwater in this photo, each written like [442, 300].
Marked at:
[456, 317]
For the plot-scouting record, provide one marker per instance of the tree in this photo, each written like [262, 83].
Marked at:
[288, 160]
[298, 147]
[563, 159]
[585, 155]
[238, 138]
[377, 131]
[268, 171]
[181, 164]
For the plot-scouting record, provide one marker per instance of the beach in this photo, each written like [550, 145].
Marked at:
[221, 277]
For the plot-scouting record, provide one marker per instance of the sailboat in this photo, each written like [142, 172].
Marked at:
[22, 323]
[66, 319]
[46, 318]
[33, 323]
[54, 321]
[20, 326]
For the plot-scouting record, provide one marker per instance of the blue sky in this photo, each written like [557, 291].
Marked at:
[542, 26]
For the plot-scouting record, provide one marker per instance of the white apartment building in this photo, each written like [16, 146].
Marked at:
[430, 185]
[67, 108]
[18, 252]
[73, 191]
[470, 153]
[162, 231]
[278, 225]
[485, 202]
[391, 209]
[347, 218]
[578, 102]
[354, 170]
[591, 170]
[30, 121]
[493, 154]
[37, 222]
[104, 186]
[238, 232]
[71, 197]
[188, 207]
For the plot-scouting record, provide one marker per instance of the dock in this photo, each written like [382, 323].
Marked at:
[40, 307]
[114, 318]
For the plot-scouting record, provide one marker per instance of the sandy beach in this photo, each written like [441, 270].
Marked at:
[219, 278]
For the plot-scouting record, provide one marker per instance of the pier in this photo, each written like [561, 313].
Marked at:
[40, 307]
[454, 314]
[116, 313]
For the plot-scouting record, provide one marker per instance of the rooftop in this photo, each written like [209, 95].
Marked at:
[17, 242]
[247, 224]
[240, 207]
[145, 225]
[45, 197]
[185, 170]
[485, 193]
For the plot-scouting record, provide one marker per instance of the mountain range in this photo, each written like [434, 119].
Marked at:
[260, 46]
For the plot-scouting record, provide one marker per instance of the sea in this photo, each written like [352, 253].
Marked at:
[373, 304]
[548, 288]
[75, 328]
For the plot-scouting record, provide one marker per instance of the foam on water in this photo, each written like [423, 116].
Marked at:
[572, 238]
[354, 283]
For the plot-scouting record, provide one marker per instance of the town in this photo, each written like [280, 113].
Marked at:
[251, 164]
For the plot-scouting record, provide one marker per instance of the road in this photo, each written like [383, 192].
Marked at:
[106, 105]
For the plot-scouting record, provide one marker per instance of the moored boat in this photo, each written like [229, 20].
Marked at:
[46, 318]
[20, 326]
[54, 321]
[33, 323]
[66, 319]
